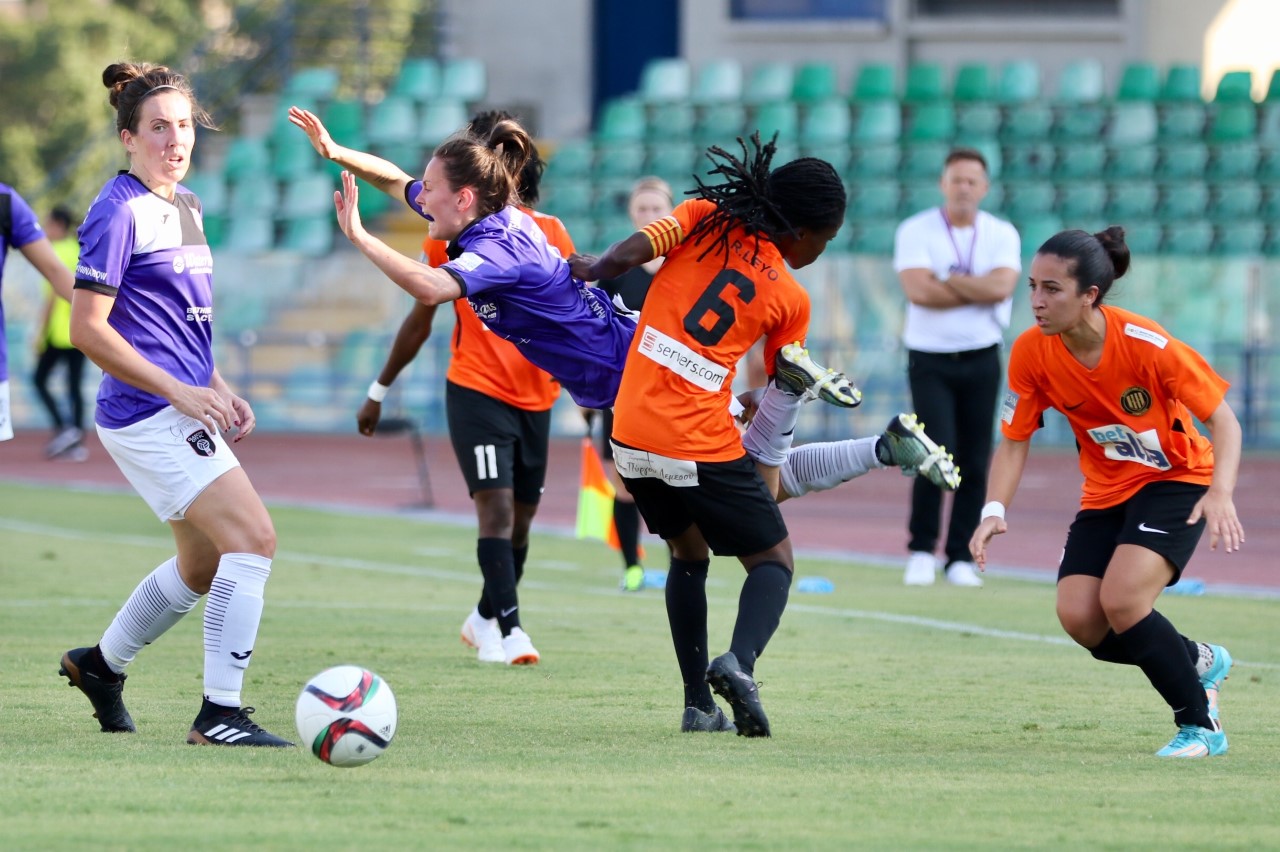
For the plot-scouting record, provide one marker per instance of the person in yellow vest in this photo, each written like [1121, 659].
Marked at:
[53, 347]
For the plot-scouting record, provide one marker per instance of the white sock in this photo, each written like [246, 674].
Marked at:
[773, 427]
[819, 467]
[231, 616]
[158, 603]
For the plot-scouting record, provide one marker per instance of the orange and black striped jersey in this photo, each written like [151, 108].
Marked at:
[1131, 414]
[483, 361]
[699, 318]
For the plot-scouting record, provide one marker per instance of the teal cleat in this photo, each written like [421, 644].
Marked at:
[1194, 741]
[1212, 679]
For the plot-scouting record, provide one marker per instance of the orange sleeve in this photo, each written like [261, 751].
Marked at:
[557, 233]
[1024, 405]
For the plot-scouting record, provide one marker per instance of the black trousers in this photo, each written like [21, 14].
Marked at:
[954, 395]
[74, 360]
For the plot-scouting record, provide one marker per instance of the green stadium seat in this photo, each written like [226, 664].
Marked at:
[320, 83]
[374, 203]
[931, 122]
[418, 79]
[1026, 122]
[1139, 81]
[1271, 245]
[582, 229]
[768, 83]
[614, 230]
[310, 236]
[1182, 121]
[674, 120]
[989, 149]
[621, 120]
[612, 193]
[873, 199]
[1235, 201]
[781, 117]
[464, 79]
[1029, 160]
[620, 159]
[1182, 160]
[923, 160]
[211, 189]
[1233, 160]
[718, 81]
[409, 156]
[874, 160]
[1131, 162]
[1273, 86]
[973, 83]
[720, 124]
[441, 118]
[246, 156]
[1184, 201]
[215, 229]
[1084, 122]
[345, 121]
[1233, 121]
[1270, 209]
[1239, 238]
[1081, 82]
[1235, 87]
[874, 238]
[568, 197]
[1019, 82]
[993, 201]
[835, 153]
[1081, 201]
[978, 120]
[1029, 199]
[1035, 230]
[308, 196]
[292, 157]
[665, 79]
[1082, 160]
[1133, 123]
[878, 121]
[254, 196]
[826, 122]
[571, 159]
[924, 83]
[1132, 201]
[814, 82]
[393, 120]
[874, 81]
[1181, 83]
[1187, 238]
[250, 232]
[673, 160]
[1142, 237]
[919, 195]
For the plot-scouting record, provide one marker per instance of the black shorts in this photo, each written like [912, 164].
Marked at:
[606, 432]
[730, 504]
[1154, 518]
[498, 445]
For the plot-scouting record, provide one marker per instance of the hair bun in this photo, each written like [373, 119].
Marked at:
[1112, 240]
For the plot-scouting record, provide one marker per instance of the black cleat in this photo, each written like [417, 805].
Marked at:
[799, 375]
[734, 685]
[103, 688]
[230, 726]
[695, 720]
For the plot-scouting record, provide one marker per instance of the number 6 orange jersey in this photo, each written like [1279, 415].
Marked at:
[699, 318]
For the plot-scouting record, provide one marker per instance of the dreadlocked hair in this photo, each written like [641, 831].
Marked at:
[804, 193]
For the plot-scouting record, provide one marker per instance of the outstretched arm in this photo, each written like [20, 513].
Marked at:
[617, 259]
[375, 171]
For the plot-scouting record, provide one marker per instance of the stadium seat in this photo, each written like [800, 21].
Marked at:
[873, 199]
[665, 80]
[1235, 201]
[1270, 209]
[571, 159]
[1083, 122]
[1133, 123]
[1028, 122]
[1081, 201]
[250, 233]
[874, 81]
[878, 121]
[972, 83]
[1239, 238]
[674, 160]
[932, 122]
[1029, 199]
[873, 238]
[1187, 238]
[1035, 230]
[919, 195]
[246, 156]
[211, 189]
[320, 83]
[373, 203]
[978, 120]
[1233, 121]
[393, 120]
[720, 124]
[418, 79]
[1139, 81]
[674, 120]
[441, 118]
[409, 156]
[621, 120]
[1181, 83]
[1235, 87]
[311, 195]
[1182, 160]
[826, 122]
[1019, 82]
[582, 230]
[310, 236]
[620, 159]
[345, 121]
[838, 154]
[1131, 162]
[718, 81]
[989, 149]
[1081, 82]
[874, 160]
[1273, 87]
[1182, 121]
[814, 82]
[255, 196]
[215, 230]
[1184, 201]
[292, 157]
[1132, 201]
[1080, 160]
[769, 82]
[924, 83]
[568, 197]
[923, 160]
[614, 230]
[1233, 160]
[1142, 237]
[464, 79]
[993, 201]
[781, 117]
[1033, 160]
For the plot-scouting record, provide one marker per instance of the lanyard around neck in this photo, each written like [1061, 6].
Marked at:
[967, 267]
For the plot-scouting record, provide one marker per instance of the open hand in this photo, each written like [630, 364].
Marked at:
[311, 125]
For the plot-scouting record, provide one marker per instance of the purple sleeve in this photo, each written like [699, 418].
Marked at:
[485, 265]
[106, 244]
[24, 223]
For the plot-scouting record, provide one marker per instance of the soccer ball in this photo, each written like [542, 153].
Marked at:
[346, 715]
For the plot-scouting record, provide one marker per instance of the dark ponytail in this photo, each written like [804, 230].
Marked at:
[1094, 260]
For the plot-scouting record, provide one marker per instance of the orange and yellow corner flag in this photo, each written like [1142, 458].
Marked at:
[595, 499]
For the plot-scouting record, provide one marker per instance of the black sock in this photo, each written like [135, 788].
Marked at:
[1112, 650]
[687, 614]
[760, 606]
[1157, 648]
[519, 554]
[626, 518]
[497, 564]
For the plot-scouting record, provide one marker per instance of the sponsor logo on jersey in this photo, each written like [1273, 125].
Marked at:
[1135, 401]
[193, 262]
[1146, 334]
[486, 311]
[88, 273]
[1121, 443]
[468, 261]
[195, 314]
[681, 360]
[202, 443]
[638, 464]
[1009, 406]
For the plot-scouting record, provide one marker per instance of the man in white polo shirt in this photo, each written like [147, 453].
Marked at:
[959, 267]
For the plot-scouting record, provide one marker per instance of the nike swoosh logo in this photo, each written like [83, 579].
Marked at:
[1145, 528]
[504, 613]
[1073, 407]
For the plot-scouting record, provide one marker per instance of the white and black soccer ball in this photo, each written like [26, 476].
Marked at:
[346, 715]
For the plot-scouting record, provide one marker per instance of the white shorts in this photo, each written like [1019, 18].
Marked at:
[6, 425]
[169, 459]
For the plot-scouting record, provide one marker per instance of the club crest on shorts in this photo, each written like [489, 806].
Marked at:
[1135, 401]
[202, 443]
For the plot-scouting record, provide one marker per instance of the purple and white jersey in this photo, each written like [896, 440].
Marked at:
[152, 257]
[521, 289]
[24, 228]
